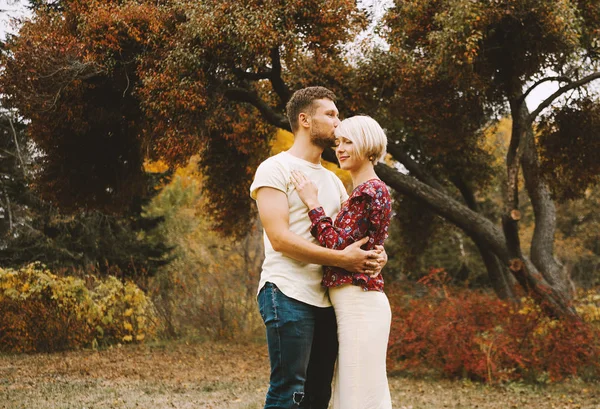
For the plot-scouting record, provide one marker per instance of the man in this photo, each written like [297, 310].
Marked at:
[299, 319]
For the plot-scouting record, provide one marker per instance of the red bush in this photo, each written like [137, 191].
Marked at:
[461, 333]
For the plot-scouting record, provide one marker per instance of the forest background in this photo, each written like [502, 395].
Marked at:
[130, 131]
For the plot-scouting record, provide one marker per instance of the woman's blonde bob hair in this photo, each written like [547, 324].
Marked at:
[367, 136]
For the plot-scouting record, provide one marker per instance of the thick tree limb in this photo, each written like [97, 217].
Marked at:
[252, 76]
[498, 274]
[273, 75]
[546, 103]
[542, 274]
[542, 242]
[279, 85]
[272, 117]
[475, 225]
[513, 162]
[413, 166]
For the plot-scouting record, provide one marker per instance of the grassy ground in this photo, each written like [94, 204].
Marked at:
[222, 376]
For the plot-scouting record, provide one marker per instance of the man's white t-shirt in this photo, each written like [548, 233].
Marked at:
[297, 280]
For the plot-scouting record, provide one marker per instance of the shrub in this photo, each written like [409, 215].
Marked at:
[42, 312]
[125, 313]
[460, 333]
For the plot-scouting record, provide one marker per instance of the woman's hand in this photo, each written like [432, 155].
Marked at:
[374, 268]
[307, 190]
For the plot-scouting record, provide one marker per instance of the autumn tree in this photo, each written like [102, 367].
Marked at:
[84, 117]
[492, 55]
[172, 78]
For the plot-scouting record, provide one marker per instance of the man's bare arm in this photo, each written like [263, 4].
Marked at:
[274, 215]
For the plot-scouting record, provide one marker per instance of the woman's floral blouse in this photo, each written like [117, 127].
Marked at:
[367, 212]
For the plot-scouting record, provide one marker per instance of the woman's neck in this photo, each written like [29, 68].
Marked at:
[361, 175]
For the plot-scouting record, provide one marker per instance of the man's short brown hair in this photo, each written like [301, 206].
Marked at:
[302, 101]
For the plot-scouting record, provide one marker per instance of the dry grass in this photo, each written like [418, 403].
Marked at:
[226, 376]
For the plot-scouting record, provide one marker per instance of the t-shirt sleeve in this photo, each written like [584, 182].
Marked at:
[270, 173]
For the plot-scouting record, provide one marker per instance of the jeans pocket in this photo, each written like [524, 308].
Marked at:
[267, 303]
[260, 299]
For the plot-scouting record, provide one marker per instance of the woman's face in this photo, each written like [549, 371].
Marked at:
[346, 154]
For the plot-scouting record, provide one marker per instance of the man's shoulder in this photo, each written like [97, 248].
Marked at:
[272, 172]
[277, 160]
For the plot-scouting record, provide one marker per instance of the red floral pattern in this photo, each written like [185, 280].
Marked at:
[367, 212]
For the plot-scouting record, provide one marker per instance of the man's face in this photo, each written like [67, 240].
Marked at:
[323, 122]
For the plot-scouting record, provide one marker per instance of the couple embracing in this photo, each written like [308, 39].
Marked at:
[321, 292]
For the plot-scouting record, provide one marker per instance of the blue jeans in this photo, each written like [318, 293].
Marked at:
[302, 341]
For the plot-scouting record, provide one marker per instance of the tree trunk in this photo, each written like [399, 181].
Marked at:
[542, 243]
[499, 275]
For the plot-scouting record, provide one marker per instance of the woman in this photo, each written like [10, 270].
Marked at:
[361, 307]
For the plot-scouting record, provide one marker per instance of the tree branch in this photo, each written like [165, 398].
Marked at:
[413, 166]
[511, 215]
[475, 225]
[252, 76]
[8, 208]
[14, 132]
[546, 103]
[273, 75]
[559, 78]
[542, 263]
[279, 85]
[270, 115]
[499, 275]
[542, 242]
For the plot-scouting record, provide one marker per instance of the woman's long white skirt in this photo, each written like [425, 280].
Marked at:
[363, 320]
